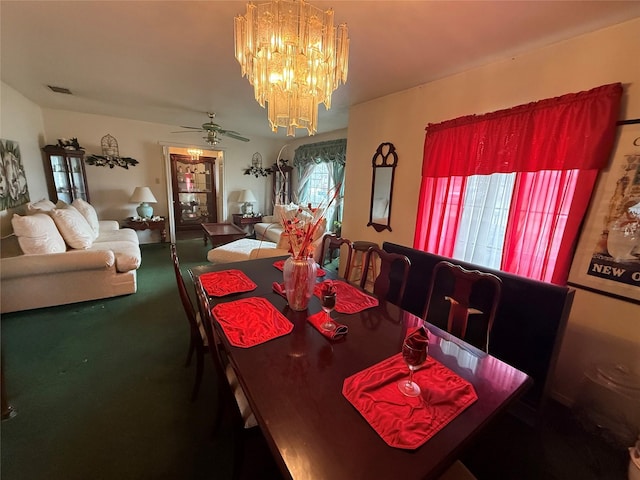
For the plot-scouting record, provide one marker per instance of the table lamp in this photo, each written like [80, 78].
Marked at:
[145, 196]
[247, 198]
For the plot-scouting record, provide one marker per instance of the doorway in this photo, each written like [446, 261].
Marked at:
[195, 189]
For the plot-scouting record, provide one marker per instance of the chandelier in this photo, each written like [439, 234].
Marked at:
[294, 57]
[194, 153]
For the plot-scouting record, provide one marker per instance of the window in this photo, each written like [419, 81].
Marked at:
[485, 209]
[320, 171]
[509, 189]
[318, 185]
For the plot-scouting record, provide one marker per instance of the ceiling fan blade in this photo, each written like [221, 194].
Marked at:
[192, 128]
[232, 134]
[187, 131]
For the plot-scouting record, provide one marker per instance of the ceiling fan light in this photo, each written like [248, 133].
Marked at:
[294, 57]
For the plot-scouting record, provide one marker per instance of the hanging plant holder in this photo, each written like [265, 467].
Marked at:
[256, 167]
[110, 155]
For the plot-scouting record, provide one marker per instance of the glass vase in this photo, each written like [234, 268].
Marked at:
[299, 281]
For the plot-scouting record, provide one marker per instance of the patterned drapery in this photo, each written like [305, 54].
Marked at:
[334, 151]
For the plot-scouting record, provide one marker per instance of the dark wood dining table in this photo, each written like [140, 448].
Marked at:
[294, 386]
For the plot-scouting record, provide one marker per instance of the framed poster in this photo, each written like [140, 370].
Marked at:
[13, 181]
[607, 258]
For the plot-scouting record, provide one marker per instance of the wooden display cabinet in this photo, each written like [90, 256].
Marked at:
[194, 196]
[281, 191]
[65, 173]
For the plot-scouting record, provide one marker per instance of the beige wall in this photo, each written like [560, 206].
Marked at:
[21, 121]
[110, 189]
[600, 328]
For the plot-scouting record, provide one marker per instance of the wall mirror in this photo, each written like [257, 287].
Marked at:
[384, 166]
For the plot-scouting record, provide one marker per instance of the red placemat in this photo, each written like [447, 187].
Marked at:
[251, 321]
[349, 299]
[279, 264]
[408, 422]
[226, 282]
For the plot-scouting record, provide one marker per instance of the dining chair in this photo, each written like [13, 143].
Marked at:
[197, 336]
[331, 242]
[391, 282]
[456, 293]
[231, 397]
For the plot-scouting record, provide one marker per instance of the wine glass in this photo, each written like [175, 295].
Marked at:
[414, 353]
[328, 304]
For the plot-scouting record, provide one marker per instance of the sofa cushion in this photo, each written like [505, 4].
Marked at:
[268, 231]
[89, 213]
[41, 206]
[74, 228]
[37, 234]
[124, 234]
[127, 254]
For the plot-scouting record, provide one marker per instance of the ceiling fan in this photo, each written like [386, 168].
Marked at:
[214, 131]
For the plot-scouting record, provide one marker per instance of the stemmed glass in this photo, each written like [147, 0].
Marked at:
[328, 300]
[328, 304]
[414, 353]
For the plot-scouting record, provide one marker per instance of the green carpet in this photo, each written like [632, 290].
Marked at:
[101, 391]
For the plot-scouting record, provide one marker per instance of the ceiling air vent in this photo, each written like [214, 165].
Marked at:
[60, 90]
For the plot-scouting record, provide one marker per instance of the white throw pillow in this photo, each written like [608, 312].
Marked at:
[89, 213]
[74, 228]
[41, 206]
[37, 234]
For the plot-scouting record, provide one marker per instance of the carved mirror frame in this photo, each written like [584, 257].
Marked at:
[384, 164]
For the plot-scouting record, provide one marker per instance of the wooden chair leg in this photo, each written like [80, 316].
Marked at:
[199, 371]
[192, 347]
[238, 451]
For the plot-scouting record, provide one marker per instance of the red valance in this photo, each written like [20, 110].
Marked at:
[573, 131]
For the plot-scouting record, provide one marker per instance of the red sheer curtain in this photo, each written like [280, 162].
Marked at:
[574, 132]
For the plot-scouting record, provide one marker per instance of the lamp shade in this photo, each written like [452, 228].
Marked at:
[143, 194]
[247, 196]
[145, 197]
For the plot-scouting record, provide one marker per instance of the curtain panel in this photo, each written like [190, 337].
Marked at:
[555, 146]
[574, 131]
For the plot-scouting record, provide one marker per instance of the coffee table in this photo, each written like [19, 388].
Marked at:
[221, 233]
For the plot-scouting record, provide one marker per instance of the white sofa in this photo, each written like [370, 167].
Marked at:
[269, 229]
[43, 266]
[269, 241]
